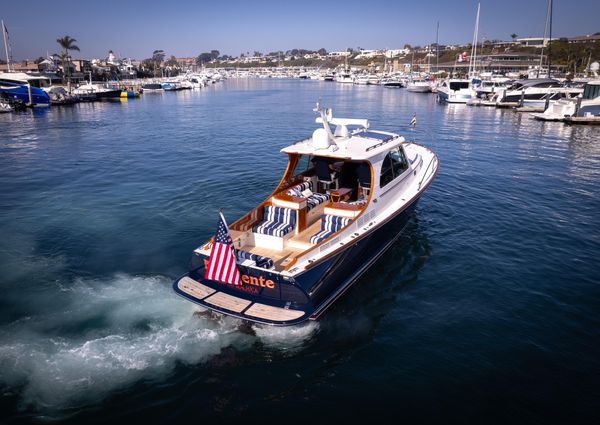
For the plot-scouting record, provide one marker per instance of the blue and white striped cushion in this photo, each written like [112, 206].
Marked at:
[318, 237]
[278, 221]
[280, 214]
[299, 188]
[329, 225]
[316, 199]
[333, 223]
[261, 261]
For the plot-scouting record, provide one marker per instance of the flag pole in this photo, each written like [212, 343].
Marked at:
[6, 47]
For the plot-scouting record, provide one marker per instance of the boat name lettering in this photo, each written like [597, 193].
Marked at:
[258, 281]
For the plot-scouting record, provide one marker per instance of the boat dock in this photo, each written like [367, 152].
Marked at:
[591, 120]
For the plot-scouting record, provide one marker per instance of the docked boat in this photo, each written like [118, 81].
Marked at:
[60, 96]
[418, 85]
[537, 89]
[585, 105]
[25, 88]
[455, 91]
[361, 80]
[344, 199]
[152, 87]
[392, 82]
[5, 103]
[97, 91]
[345, 77]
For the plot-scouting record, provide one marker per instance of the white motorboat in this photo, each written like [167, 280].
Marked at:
[345, 77]
[588, 103]
[361, 80]
[97, 91]
[537, 89]
[345, 198]
[455, 90]
[419, 85]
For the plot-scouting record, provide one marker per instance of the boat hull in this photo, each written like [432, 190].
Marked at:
[31, 96]
[310, 293]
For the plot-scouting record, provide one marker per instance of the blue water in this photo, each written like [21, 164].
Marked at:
[485, 311]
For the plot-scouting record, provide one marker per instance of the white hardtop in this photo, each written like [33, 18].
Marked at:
[342, 143]
[21, 76]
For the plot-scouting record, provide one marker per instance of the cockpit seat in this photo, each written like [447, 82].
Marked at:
[258, 260]
[303, 189]
[278, 221]
[330, 224]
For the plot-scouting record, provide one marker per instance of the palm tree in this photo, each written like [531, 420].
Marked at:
[157, 57]
[514, 37]
[66, 43]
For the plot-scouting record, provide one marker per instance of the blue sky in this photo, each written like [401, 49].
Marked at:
[187, 28]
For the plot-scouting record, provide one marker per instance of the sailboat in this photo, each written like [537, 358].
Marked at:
[461, 90]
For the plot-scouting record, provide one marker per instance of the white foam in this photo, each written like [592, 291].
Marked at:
[291, 339]
[92, 337]
[144, 330]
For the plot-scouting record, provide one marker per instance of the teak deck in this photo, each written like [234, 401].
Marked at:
[236, 304]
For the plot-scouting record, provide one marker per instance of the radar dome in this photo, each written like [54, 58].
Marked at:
[320, 139]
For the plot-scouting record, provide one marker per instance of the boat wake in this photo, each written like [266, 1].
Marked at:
[106, 334]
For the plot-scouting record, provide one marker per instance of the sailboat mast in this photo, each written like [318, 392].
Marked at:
[550, 42]
[437, 47]
[544, 43]
[474, 44]
[6, 47]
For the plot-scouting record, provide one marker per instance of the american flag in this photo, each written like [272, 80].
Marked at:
[221, 263]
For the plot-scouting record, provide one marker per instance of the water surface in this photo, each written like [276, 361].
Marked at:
[486, 310]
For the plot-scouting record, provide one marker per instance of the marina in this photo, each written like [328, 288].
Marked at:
[494, 272]
[267, 223]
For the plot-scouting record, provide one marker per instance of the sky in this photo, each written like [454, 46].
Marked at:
[187, 28]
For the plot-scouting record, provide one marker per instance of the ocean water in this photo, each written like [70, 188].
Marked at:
[485, 311]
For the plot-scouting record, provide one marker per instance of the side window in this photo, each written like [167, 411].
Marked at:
[394, 164]
[304, 163]
[387, 174]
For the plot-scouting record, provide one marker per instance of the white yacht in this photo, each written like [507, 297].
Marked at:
[588, 103]
[97, 91]
[345, 77]
[361, 80]
[418, 85]
[536, 91]
[345, 198]
[455, 90]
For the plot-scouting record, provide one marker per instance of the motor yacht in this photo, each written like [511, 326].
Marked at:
[455, 90]
[588, 103]
[346, 196]
[25, 88]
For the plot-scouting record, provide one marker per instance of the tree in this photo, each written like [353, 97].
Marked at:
[172, 62]
[407, 47]
[67, 43]
[322, 51]
[514, 36]
[203, 58]
[157, 57]
[214, 54]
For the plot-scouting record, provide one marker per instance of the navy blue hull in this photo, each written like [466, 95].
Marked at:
[342, 270]
[314, 290]
[21, 93]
